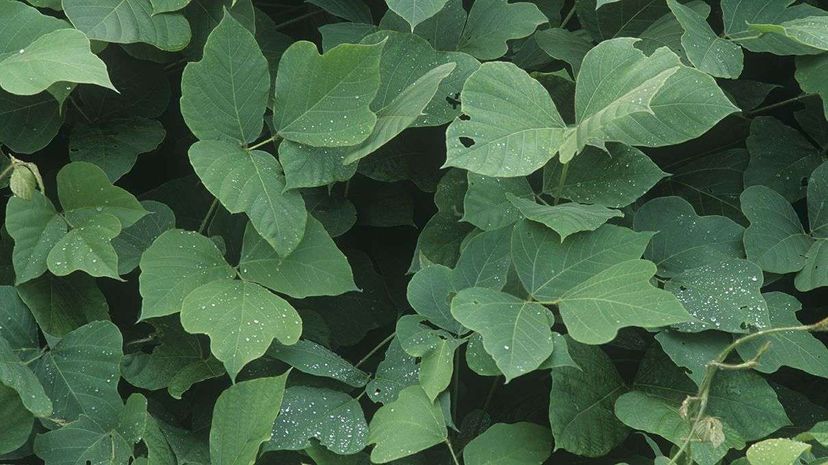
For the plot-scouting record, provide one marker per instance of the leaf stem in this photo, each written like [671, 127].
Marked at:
[778, 104]
[561, 183]
[77, 107]
[375, 349]
[264, 142]
[451, 450]
[298, 18]
[568, 17]
[703, 394]
[207, 216]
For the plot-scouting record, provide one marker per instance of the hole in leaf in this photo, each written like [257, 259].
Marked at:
[464, 117]
[467, 141]
[453, 100]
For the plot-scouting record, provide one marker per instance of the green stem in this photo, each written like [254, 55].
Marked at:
[298, 18]
[77, 107]
[207, 216]
[264, 142]
[561, 183]
[778, 104]
[6, 171]
[703, 394]
[568, 17]
[451, 450]
[375, 349]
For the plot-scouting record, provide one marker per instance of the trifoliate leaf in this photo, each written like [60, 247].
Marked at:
[406, 426]
[707, 51]
[223, 96]
[492, 23]
[88, 248]
[241, 318]
[334, 418]
[35, 227]
[174, 265]
[128, 22]
[515, 333]
[775, 239]
[84, 190]
[332, 110]
[251, 182]
[243, 418]
[509, 444]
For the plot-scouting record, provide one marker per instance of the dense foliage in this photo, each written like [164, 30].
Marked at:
[419, 232]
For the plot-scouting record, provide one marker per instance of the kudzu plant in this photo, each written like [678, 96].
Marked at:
[418, 232]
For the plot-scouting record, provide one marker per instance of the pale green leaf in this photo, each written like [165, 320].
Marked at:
[242, 419]
[84, 190]
[429, 293]
[224, 95]
[332, 417]
[88, 248]
[15, 374]
[776, 452]
[565, 219]
[334, 108]
[395, 372]
[485, 261]
[437, 367]
[307, 166]
[251, 182]
[738, 16]
[775, 239]
[492, 23]
[704, 48]
[416, 11]
[486, 204]
[811, 75]
[35, 227]
[406, 426]
[167, 6]
[515, 333]
[128, 22]
[174, 265]
[809, 31]
[241, 318]
[509, 444]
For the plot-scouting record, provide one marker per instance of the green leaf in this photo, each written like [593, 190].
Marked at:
[796, 349]
[95, 442]
[437, 367]
[817, 199]
[563, 44]
[25, 24]
[115, 145]
[223, 96]
[738, 17]
[693, 350]
[316, 267]
[307, 166]
[174, 265]
[35, 227]
[810, 74]
[725, 296]
[136, 239]
[548, 268]
[28, 123]
[63, 304]
[59, 56]
[808, 31]
[618, 18]
[18, 427]
[88, 248]
[128, 22]
[491, 23]
[241, 318]
[251, 182]
[406, 426]
[415, 12]
[333, 109]
[314, 359]
[780, 158]
[15, 374]
[775, 239]
[80, 374]
[167, 6]
[332, 417]
[515, 333]
[84, 190]
[567, 218]
[704, 48]
[615, 178]
[19, 329]
[617, 297]
[513, 138]
[486, 204]
[581, 403]
[242, 419]
[395, 372]
[176, 363]
[685, 240]
[815, 273]
[352, 10]
[485, 261]
[429, 293]
[776, 452]
[509, 444]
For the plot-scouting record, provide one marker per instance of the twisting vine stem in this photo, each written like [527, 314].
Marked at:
[703, 394]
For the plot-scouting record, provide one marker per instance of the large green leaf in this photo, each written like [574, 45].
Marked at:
[796, 349]
[242, 419]
[406, 426]
[224, 95]
[429, 293]
[775, 239]
[485, 261]
[241, 318]
[515, 333]
[334, 108]
[127, 22]
[509, 444]
[174, 265]
[415, 12]
[63, 304]
[332, 417]
[87, 247]
[437, 367]
[704, 48]
[442, 30]
[92, 441]
[115, 145]
[35, 227]
[60, 56]
[685, 240]
[815, 272]
[563, 44]
[28, 123]
[491, 23]
[250, 181]
[513, 127]
[84, 190]
[619, 296]
[80, 374]
[581, 403]
[316, 267]
[19, 329]
[567, 218]
[619, 18]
